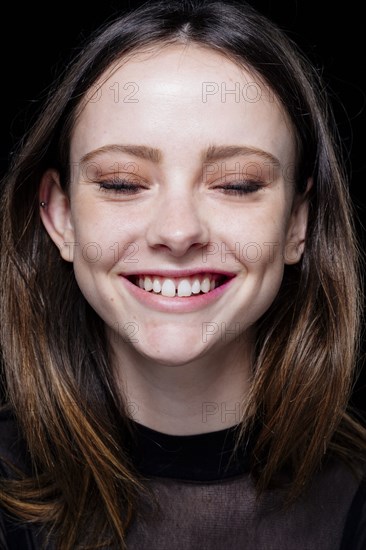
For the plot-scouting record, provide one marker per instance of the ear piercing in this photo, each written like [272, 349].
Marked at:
[43, 204]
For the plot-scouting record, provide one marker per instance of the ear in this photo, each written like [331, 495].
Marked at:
[296, 230]
[56, 214]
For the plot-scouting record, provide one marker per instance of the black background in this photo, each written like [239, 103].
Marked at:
[36, 41]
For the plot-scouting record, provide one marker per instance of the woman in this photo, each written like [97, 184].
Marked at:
[180, 297]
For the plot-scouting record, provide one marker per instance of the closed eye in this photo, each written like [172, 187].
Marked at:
[241, 187]
[118, 185]
[127, 187]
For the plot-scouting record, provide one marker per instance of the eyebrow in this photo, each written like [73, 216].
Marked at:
[212, 153]
[139, 151]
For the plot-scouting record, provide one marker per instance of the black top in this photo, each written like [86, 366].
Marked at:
[201, 457]
[207, 499]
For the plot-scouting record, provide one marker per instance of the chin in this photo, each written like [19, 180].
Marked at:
[172, 355]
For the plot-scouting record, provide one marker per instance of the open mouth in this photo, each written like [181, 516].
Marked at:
[194, 285]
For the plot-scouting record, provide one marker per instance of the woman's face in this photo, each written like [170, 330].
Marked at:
[182, 126]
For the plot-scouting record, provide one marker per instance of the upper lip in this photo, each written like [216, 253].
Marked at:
[177, 273]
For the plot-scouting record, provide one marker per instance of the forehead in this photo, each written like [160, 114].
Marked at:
[177, 96]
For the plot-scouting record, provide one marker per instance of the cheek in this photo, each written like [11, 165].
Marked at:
[103, 235]
[94, 258]
[93, 246]
[257, 239]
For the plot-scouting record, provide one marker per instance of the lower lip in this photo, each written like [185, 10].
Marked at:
[176, 304]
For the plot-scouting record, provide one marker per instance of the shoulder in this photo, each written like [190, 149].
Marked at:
[354, 533]
[12, 446]
[344, 492]
[14, 535]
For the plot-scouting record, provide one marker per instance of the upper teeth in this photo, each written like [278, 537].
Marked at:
[184, 286]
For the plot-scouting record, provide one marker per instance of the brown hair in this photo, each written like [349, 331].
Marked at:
[56, 372]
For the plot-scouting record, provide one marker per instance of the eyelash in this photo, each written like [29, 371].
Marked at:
[119, 186]
[127, 188]
[238, 189]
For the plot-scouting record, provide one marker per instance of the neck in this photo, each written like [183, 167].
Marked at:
[202, 395]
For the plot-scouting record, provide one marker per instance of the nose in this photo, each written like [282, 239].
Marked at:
[177, 224]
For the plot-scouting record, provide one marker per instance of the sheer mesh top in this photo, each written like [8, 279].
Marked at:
[206, 500]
